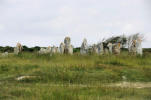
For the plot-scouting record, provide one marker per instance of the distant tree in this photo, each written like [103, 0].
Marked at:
[75, 50]
[25, 48]
[32, 49]
[36, 48]
[116, 39]
[6, 49]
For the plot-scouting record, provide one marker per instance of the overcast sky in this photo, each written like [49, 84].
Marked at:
[47, 22]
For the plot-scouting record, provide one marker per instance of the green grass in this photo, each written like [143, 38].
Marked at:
[76, 77]
[49, 92]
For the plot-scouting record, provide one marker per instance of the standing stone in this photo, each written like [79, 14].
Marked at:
[130, 43]
[61, 48]
[18, 48]
[117, 48]
[139, 47]
[45, 51]
[84, 47]
[94, 49]
[90, 49]
[54, 50]
[71, 49]
[133, 48]
[135, 44]
[16, 51]
[57, 50]
[5, 54]
[110, 45]
[48, 49]
[68, 47]
[41, 51]
[100, 48]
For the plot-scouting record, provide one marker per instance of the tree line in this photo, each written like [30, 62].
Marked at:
[25, 48]
[10, 49]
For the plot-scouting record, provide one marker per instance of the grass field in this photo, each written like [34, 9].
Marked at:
[76, 77]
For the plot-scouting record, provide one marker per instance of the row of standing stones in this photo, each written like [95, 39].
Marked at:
[134, 47]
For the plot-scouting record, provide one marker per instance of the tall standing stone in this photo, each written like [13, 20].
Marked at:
[68, 47]
[139, 46]
[84, 47]
[18, 48]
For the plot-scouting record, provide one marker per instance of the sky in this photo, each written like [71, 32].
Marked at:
[48, 22]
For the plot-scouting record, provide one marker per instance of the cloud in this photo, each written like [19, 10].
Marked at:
[47, 22]
[1, 27]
